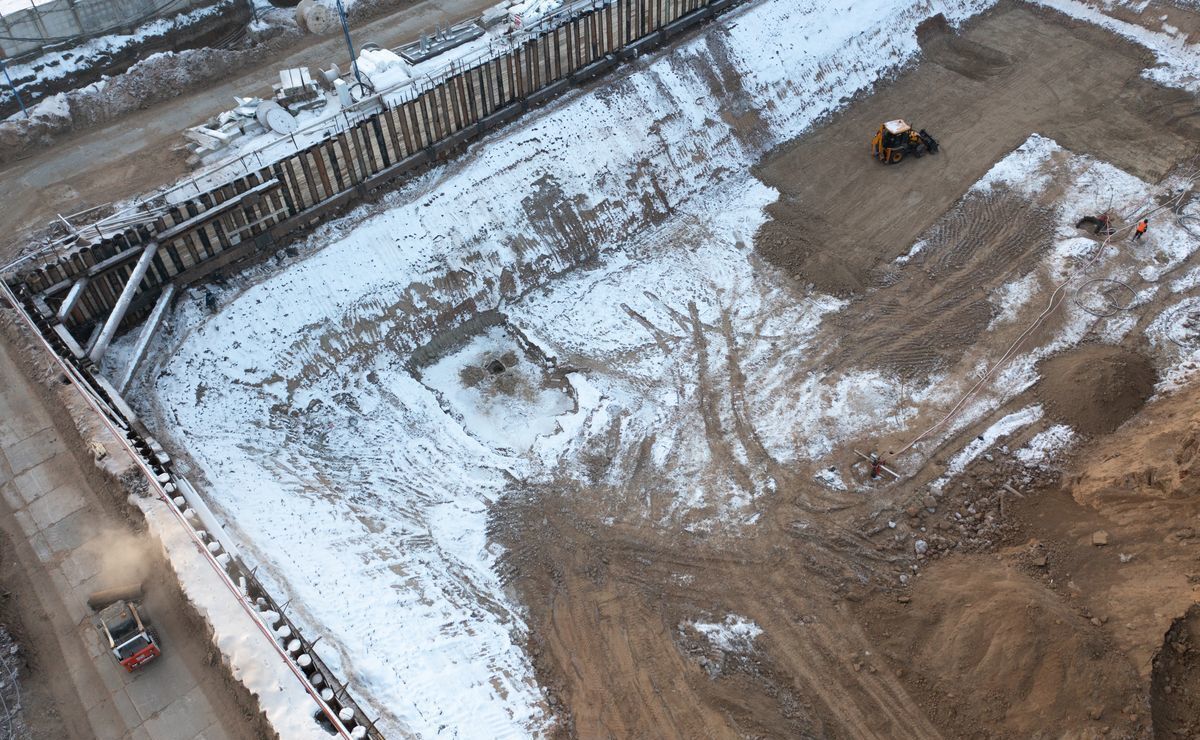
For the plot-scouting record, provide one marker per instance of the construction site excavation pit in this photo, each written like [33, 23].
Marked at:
[569, 434]
[498, 385]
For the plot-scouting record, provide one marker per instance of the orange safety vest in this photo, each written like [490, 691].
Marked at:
[1141, 227]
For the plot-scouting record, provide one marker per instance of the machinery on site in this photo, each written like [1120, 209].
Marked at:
[124, 627]
[896, 139]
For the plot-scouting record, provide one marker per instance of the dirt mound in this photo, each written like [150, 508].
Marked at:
[1096, 387]
[984, 645]
[796, 242]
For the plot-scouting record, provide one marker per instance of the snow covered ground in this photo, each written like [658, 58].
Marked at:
[359, 479]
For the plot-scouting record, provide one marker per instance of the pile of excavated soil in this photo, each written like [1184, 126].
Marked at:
[984, 645]
[796, 242]
[1096, 387]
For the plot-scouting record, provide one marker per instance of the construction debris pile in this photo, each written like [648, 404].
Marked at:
[295, 92]
[375, 70]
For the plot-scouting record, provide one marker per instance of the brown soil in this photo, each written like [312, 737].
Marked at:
[1008, 657]
[1175, 687]
[937, 305]
[1050, 637]
[1096, 387]
[42, 686]
[1051, 634]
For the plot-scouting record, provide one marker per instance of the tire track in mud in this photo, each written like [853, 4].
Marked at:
[708, 399]
[608, 605]
[938, 307]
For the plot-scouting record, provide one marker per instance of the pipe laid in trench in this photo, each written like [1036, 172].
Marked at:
[122, 305]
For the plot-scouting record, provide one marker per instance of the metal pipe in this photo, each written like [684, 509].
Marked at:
[72, 298]
[151, 326]
[122, 305]
[349, 44]
[16, 92]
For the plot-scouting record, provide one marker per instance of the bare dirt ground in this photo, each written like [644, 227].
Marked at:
[1051, 625]
[1021, 627]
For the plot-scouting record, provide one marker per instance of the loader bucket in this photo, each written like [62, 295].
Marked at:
[100, 599]
[930, 143]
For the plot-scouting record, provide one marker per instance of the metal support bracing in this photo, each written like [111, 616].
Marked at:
[72, 298]
[122, 306]
[91, 342]
[148, 329]
[69, 340]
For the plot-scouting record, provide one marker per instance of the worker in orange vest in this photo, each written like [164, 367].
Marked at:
[1141, 228]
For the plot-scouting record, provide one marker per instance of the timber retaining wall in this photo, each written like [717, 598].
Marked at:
[252, 213]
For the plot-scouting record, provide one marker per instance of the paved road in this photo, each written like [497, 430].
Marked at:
[133, 155]
[62, 535]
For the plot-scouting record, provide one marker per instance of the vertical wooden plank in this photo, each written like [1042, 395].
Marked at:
[369, 155]
[410, 139]
[466, 99]
[510, 78]
[205, 242]
[343, 148]
[610, 27]
[299, 190]
[219, 235]
[328, 174]
[338, 159]
[572, 61]
[472, 99]
[616, 13]
[315, 173]
[413, 118]
[445, 110]
[354, 156]
[422, 123]
[534, 77]
[536, 56]
[454, 105]
[383, 140]
[519, 63]
[483, 89]
[399, 149]
[428, 119]
[589, 38]
[372, 161]
[392, 136]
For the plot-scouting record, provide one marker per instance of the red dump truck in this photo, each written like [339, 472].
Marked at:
[124, 627]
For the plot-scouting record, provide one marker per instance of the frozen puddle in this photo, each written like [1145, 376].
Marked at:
[499, 389]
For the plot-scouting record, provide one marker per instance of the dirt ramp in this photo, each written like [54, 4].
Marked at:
[1096, 387]
[1175, 683]
[984, 645]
